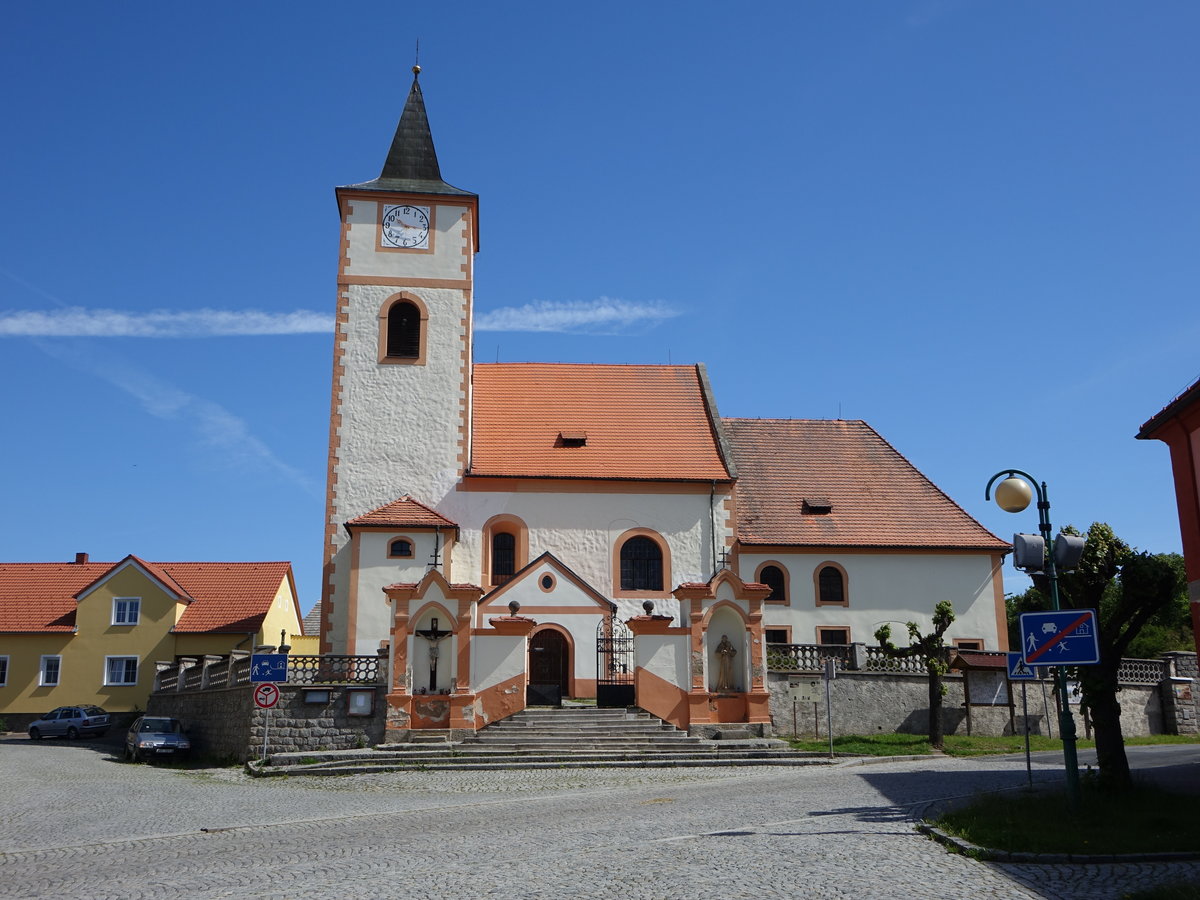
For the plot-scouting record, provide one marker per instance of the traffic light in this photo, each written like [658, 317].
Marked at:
[1068, 549]
[1029, 552]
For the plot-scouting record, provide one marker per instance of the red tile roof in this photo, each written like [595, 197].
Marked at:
[877, 498]
[404, 513]
[636, 422]
[229, 597]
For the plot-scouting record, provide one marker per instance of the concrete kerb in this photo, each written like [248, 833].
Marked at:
[1014, 856]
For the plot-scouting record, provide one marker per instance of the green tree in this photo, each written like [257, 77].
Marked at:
[931, 650]
[1129, 589]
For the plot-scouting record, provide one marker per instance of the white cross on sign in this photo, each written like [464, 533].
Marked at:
[266, 696]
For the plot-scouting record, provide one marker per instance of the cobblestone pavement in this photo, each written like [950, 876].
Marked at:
[77, 822]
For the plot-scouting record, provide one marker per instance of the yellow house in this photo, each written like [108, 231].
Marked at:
[90, 633]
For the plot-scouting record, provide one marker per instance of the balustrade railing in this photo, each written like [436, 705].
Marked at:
[221, 672]
[335, 669]
[807, 657]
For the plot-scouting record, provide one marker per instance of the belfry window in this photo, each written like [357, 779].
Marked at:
[403, 331]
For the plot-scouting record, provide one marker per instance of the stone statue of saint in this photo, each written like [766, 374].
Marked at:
[725, 654]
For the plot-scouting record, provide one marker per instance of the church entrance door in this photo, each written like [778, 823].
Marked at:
[549, 664]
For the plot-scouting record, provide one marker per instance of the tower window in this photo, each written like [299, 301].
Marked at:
[401, 548]
[404, 331]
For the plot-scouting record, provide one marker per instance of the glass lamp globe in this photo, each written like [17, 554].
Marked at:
[1013, 494]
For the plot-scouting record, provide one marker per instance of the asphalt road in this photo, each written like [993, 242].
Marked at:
[77, 822]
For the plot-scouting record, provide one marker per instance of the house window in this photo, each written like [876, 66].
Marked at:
[831, 585]
[968, 644]
[401, 548]
[120, 669]
[773, 577]
[51, 671]
[834, 636]
[778, 635]
[504, 557]
[126, 610]
[3, 671]
[641, 565]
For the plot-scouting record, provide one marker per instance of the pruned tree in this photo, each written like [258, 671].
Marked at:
[931, 650]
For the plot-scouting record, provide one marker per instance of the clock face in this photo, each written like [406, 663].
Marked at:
[406, 226]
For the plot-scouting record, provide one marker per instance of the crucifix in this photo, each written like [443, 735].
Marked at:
[434, 636]
[435, 558]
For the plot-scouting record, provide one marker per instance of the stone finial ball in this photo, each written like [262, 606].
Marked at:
[513, 607]
[648, 606]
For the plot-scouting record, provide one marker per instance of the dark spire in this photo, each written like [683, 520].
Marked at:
[411, 164]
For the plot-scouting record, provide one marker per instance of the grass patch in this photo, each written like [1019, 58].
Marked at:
[1141, 820]
[868, 745]
[1176, 890]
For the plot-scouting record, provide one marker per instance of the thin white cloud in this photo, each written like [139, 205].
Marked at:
[602, 316]
[77, 321]
[225, 438]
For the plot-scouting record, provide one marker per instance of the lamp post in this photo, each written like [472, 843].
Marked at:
[1013, 495]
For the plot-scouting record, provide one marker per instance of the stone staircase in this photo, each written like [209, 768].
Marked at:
[538, 738]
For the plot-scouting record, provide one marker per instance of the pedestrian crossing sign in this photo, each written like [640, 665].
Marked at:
[1018, 669]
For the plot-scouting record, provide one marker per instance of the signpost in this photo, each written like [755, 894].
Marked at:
[267, 670]
[1019, 670]
[1065, 637]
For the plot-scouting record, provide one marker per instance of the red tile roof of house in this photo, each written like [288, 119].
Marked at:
[404, 513]
[546, 420]
[226, 597]
[789, 468]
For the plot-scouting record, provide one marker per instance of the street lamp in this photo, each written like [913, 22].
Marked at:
[1013, 495]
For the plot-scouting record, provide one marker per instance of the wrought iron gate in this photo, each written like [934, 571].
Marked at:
[614, 663]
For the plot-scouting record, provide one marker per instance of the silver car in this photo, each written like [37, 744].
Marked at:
[70, 722]
[156, 737]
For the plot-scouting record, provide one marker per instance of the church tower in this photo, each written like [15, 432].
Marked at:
[402, 348]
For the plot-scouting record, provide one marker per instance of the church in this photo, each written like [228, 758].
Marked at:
[521, 533]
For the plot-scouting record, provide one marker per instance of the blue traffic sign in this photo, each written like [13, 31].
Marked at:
[1065, 637]
[1018, 670]
[268, 667]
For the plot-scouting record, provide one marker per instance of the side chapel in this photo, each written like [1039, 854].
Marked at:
[517, 533]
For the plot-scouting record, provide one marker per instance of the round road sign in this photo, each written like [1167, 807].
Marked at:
[266, 696]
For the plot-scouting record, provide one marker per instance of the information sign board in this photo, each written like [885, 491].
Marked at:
[268, 667]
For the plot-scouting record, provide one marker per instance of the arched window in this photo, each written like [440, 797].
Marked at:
[400, 548]
[402, 321]
[831, 585]
[505, 549]
[504, 556]
[641, 565]
[772, 577]
[404, 331]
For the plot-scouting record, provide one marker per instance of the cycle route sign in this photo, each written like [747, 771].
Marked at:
[1065, 637]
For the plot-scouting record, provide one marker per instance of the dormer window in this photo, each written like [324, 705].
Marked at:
[572, 439]
[816, 506]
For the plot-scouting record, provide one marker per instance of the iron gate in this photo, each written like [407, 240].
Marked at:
[614, 664]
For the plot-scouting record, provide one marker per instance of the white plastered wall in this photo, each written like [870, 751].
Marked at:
[892, 588]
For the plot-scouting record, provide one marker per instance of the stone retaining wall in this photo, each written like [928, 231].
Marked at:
[224, 723]
[878, 703]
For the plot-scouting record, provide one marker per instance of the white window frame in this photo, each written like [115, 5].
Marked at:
[42, 680]
[108, 671]
[3, 671]
[130, 606]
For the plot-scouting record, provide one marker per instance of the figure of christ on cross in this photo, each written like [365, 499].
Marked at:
[434, 636]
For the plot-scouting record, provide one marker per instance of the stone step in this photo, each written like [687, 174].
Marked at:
[426, 762]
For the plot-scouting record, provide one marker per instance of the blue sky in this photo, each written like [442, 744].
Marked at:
[972, 224]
